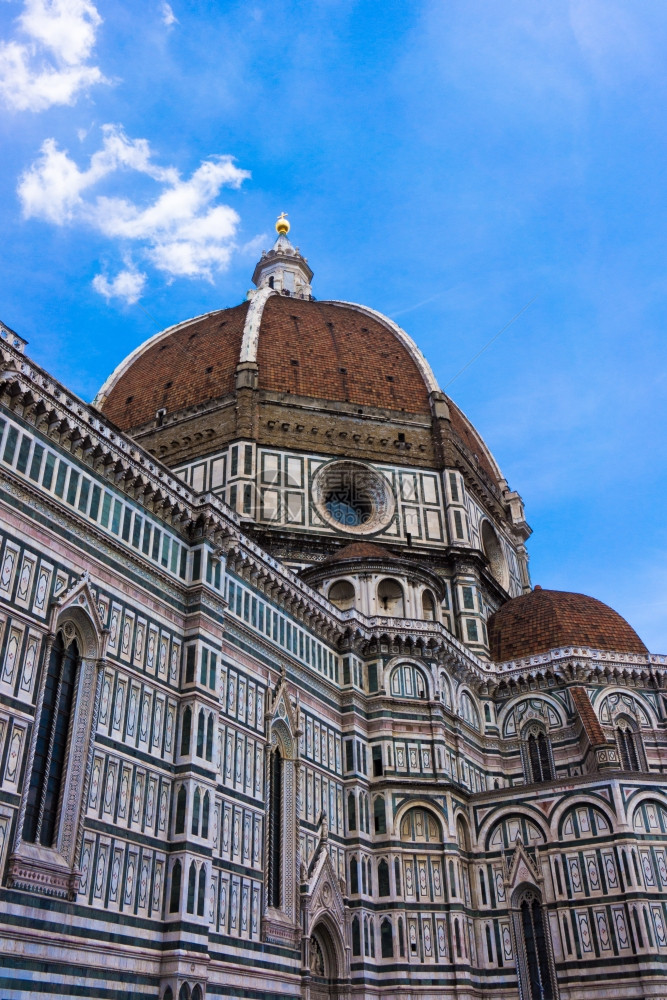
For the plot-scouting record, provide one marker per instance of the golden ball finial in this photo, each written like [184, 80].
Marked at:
[282, 225]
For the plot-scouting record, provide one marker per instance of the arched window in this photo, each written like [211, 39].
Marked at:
[408, 681]
[342, 594]
[275, 828]
[351, 812]
[379, 814]
[209, 738]
[386, 938]
[196, 993]
[206, 810]
[184, 992]
[168, 994]
[54, 720]
[354, 877]
[181, 806]
[192, 885]
[390, 598]
[196, 806]
[186, 730]
[457, 934]
[200, 733]
[356, 937]
[201, 892]
[468, 711]
[364, 884]
[428, 606]
[383, 878]
[175, 896]
[537, 970]
[628, 743]
[537, 757]
[489, 946]
[367, 826]
[452, 879]
[397, 876]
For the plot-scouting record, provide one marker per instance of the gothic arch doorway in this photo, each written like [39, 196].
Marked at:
[325, 973]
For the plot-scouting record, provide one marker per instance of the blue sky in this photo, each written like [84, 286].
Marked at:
[441, 161]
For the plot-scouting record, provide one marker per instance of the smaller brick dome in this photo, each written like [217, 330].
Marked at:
[358, 550]
[551, 619]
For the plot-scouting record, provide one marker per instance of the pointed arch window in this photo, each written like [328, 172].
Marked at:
[175, 895]
[629, 747]
[186, 731]
[206, 808]
[192, 885]
[354, 876]
[275, 828]
[383, 878]
[46, 778]
[537, 969]
[201, 892]
[386, 938]
[356, 937]
[196, 806]
[538, 766]
[181, 806]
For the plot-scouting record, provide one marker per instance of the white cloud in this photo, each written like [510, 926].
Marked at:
[167, 14]
[127, 285]
[51, 65]
[182, 231]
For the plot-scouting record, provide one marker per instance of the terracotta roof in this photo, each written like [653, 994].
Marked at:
[358, 550]
[305, 348]
[549, 619]
[586, 713]
[341, 355]
[194, 364]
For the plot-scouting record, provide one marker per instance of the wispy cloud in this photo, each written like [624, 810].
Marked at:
[183, 232]
[49, 62]
[167, 14]
[127, 285]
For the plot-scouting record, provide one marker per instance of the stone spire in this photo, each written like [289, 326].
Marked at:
[282, 267]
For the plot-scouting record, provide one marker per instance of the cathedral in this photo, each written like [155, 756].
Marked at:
[281, 713]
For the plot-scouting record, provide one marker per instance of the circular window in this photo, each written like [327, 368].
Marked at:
[353, 498]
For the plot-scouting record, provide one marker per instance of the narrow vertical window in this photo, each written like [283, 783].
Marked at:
[201, 892]
[181, 805]
[175, 896]
[47, 771]
[192, 886]
[383, 878]
[209, 738]
[356, 937]
[275, 828]
[200, 733]
[186, 730]
[196, 806]
[206, 808]
[537, 959]
[386, 938]
[351, 812]
[354, 877]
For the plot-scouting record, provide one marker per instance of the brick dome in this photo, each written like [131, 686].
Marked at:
[358, 550]
[550, 619]
[323, 350]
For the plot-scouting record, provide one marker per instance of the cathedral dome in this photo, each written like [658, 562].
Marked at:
[324, 350]
[551, 619]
